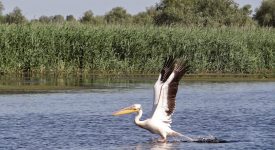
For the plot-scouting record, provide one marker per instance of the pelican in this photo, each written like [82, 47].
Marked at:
[165, 90]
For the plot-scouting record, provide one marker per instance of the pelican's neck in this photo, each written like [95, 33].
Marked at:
[137, 119]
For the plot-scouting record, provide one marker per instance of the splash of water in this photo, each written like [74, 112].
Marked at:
[208, 139]
[200, 139]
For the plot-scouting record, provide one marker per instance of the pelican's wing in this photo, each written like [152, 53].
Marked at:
[166, 71]
[167, 97]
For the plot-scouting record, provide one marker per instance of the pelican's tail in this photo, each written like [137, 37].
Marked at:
[174, 133]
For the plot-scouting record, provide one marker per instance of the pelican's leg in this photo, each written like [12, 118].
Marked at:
[162, 139]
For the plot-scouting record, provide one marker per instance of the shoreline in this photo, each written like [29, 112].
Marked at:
[42, 84]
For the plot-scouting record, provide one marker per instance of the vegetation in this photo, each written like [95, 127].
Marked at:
[265, 15]
[216, 35]
[70, 48]
[201, 13]
[118, 15]
[88, 17]
[15, 17]
[214, 13]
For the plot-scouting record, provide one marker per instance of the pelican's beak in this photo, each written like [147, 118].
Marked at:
[125, 111]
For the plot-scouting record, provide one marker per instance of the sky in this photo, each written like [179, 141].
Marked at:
[35, 8]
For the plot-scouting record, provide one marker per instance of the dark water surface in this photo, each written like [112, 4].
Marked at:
[242, 113]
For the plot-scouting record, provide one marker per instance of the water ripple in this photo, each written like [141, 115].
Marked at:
[240, 113]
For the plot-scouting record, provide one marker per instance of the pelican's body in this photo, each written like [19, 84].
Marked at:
[154, 126]
[165, 90]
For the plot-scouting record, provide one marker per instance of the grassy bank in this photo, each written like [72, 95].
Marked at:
[18, 84]
[71, 48]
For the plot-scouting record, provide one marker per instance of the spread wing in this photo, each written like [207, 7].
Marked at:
[165, 72]
[167, 93]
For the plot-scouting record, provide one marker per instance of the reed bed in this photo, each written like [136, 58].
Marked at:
[120, 49]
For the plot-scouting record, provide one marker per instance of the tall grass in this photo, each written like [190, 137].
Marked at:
[120, 49]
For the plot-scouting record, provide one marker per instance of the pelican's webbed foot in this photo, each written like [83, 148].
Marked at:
[162, 140]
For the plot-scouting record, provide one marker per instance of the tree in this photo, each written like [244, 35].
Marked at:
[58, 19]
[70, 18]
[1, 8]
[45, 19]
[118, 15]
[15, 17]
[145, 18]
[265, 15]
[88, 17]
[171, 12]
[223, 12]
[34, 20]
[246, 9]
[199, 12]
[99, 20]
[245, 19]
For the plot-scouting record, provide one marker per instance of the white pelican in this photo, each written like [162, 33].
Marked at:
[165, 91]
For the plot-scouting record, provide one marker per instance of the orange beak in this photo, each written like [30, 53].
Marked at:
[124, 111]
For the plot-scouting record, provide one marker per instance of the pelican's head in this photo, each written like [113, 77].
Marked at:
[128, 110]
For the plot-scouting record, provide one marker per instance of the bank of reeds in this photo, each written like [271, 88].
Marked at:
[117, 49]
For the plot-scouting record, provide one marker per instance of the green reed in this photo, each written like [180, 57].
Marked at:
[120, 49]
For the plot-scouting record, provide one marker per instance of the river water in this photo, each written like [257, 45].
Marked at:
[242, 113]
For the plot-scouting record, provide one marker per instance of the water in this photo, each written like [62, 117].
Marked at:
[242, 113]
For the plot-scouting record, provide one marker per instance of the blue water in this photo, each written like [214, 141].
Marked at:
[242, 113]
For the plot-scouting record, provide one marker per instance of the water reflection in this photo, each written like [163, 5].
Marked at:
[157, 146]
[51, 81]
[35, 83]
[77, 79]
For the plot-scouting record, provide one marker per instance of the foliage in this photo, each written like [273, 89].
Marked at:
[1, 8]
[145, 18]
[45, 19]
[265, 15]
[172, 12]
[70, 18]
[70, 47]
[15, 17]
[58, 19]
[118, 15]
[88, 17]
[167, 12]
[200, 13]
[99, 20]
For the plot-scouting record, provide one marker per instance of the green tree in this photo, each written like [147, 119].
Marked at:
[15, 17]
[88, 17]
[1, 8]
[45, 19]
[99, 20]
[58, 19]
[199, 12]
[145, 18]
[245, 18]
[34, 20]
[171, 12]
[118, 15]
[247, 9]
[265, 15]
[222, 12]
[70, 18]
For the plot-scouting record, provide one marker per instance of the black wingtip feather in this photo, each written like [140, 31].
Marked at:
[180, 68]
[167, 68]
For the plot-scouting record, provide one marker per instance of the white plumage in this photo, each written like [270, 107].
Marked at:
[165, 90]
